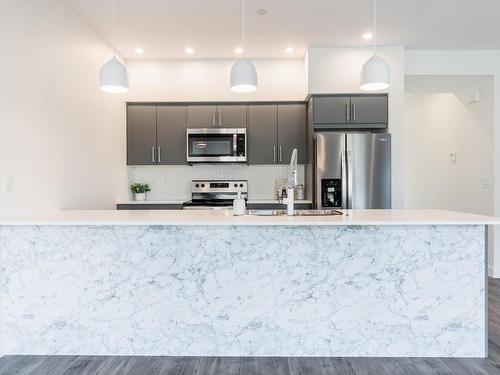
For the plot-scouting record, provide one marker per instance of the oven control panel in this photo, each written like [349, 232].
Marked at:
[226, 186]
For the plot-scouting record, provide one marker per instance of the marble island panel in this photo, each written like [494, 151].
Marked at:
[230, 290]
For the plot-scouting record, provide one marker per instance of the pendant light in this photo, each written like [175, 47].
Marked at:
[375, 74]
[243, 72]
[113, 75]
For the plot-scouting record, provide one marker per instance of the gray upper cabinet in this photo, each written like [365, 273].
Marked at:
[156, 132]
[350, 112]
[209, 116]
[232, 116]
[274, 130]
[141, 134]
[171, 134]
[262, 133]
[292, 132]
[331, 109]
[201, 116]
[369, 109]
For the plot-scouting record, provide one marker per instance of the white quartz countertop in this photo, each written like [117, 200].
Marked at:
[250, 201]
[225, 217]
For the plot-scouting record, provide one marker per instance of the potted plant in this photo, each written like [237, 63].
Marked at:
[139, 190]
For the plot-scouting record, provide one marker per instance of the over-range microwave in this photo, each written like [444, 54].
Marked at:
[216, 145]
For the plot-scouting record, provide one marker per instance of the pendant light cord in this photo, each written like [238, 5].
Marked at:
[375, 25]
[114, 28]
[243, 27]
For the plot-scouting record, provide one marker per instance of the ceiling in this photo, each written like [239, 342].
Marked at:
[164, 28]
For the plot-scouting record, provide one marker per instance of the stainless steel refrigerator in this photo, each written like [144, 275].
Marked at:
[352, 170]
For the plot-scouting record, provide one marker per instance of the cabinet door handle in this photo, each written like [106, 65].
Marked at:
[220, 119]
[281, 155]
[347, 112]
[153, 154]
[159, 154]
[274, 154]
[213, 119]
[354, 111]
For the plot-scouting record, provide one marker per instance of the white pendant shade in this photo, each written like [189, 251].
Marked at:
[375, 74]
[243, 76]
[113, 76]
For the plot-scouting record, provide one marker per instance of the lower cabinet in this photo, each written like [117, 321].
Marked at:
[148, 206]
[250, 206]
[278, 206]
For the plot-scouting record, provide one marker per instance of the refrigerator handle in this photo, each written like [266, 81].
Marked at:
[315, 195]
[343, 176]
[349, 180]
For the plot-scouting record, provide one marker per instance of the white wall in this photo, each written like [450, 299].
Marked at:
[337, 70]
[437, 124]
[206, 80]
[60, 137]
[469, 63]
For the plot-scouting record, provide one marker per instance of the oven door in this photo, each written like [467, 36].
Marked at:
[216, 145]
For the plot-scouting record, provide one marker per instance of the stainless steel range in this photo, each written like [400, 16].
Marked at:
[215, 194]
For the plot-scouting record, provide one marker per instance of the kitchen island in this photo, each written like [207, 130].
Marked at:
[197, 283]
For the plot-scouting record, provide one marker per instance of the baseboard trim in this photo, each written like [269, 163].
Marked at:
[493, 272]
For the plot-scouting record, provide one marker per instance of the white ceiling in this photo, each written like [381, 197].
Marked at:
[163, 28]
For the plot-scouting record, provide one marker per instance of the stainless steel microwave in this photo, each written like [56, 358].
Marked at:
[216, 145]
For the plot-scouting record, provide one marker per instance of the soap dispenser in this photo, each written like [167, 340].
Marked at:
[239, 205]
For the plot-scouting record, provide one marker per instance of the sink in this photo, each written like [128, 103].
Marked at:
[295, 213]
[317, 213]
[266, 212]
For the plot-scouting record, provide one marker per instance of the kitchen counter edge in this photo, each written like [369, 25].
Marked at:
[225, 217]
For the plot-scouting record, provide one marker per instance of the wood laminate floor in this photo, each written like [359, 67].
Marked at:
[94, 365]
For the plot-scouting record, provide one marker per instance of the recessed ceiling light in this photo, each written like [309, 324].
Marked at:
[238, 50]
[189, 50]
[368, 35]
[261, 12]
[289, 50]
[139, 51]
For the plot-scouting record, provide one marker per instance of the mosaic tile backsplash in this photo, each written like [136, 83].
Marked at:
[172, 182]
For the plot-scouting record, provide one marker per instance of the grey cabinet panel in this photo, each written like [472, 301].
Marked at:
[331, 109]
[149, 206]
[292, 132]
[141, 135]
[171, 134]
[201, 116]
[369, 109]
[277, 206]
[232, 116]
[262, 133]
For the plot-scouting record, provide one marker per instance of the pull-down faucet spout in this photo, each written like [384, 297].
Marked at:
[292, 183]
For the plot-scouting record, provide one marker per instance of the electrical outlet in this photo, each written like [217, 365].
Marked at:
[452, 157]
[8, 183]
[486, 182]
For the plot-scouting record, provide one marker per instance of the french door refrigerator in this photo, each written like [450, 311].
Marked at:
[352, 170]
